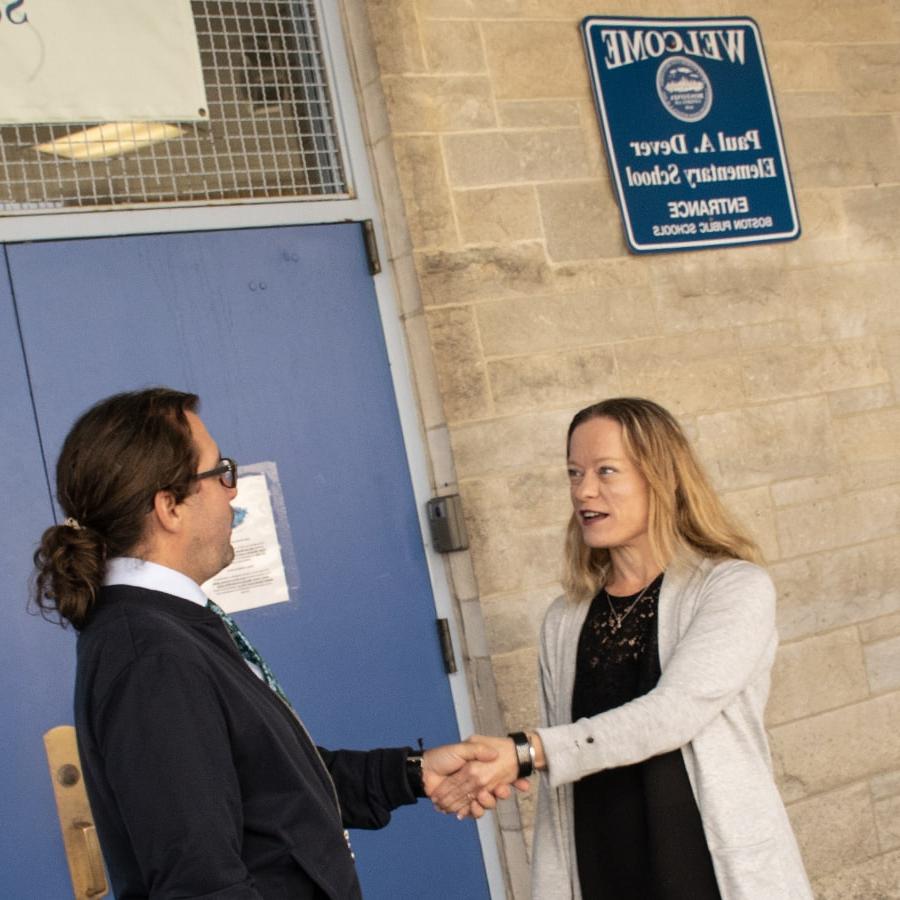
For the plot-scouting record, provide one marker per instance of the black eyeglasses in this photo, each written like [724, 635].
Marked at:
[226, 472]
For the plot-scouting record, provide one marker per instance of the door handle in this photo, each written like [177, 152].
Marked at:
[76, 822]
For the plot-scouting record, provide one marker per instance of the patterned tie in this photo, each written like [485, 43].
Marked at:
[247, 650]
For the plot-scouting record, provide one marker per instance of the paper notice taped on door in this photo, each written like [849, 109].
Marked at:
[256, 577]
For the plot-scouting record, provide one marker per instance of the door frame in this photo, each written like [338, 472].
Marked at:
[362, 205]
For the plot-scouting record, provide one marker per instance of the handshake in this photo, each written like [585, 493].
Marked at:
[470, 777]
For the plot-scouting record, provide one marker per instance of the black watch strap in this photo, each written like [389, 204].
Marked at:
[524, 753]
[415, 774]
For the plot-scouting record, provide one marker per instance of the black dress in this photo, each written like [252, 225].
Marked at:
[638, 834]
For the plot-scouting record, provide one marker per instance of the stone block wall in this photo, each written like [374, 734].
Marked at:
[522, 304]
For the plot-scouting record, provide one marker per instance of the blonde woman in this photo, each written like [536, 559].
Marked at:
[656, 776]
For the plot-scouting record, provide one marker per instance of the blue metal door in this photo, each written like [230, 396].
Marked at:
[278, 331]
[36, 666]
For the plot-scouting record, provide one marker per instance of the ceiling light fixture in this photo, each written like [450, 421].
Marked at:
[110, 139]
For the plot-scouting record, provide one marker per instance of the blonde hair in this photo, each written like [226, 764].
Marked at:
[685, 513]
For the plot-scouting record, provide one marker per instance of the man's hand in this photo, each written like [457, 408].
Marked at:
[439, 762]
[487, 775]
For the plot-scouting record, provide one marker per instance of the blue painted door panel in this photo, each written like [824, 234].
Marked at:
[278, 331]
[37, 663]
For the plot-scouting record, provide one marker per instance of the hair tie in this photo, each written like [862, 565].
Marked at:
[72, 523]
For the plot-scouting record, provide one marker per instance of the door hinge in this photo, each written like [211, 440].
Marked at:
[446, 641]
[371, 247]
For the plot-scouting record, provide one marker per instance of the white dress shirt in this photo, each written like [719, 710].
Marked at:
[153, 577]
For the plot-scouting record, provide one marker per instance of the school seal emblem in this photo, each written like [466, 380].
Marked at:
[684, 88]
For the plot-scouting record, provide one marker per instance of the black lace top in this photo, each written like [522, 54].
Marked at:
[638, 834]
[612, 651]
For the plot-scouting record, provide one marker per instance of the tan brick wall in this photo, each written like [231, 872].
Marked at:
[522, 304]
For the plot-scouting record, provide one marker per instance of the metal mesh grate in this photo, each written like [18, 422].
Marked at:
[271, 131]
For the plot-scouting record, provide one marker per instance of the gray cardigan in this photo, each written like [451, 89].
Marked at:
[717, 642]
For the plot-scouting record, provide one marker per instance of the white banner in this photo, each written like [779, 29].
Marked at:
[99, 61]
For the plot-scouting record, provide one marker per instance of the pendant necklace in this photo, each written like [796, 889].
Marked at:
[616, 620]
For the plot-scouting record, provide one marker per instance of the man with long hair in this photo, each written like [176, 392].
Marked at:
[202, 779]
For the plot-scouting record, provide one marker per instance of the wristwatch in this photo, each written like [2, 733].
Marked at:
[525, 754]
[415, 774]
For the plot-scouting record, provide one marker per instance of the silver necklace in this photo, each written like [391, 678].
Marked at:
[616, 620]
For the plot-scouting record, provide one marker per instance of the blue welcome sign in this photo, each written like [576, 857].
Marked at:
[691, 132]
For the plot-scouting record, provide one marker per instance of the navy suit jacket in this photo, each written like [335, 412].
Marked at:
[202, 782]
